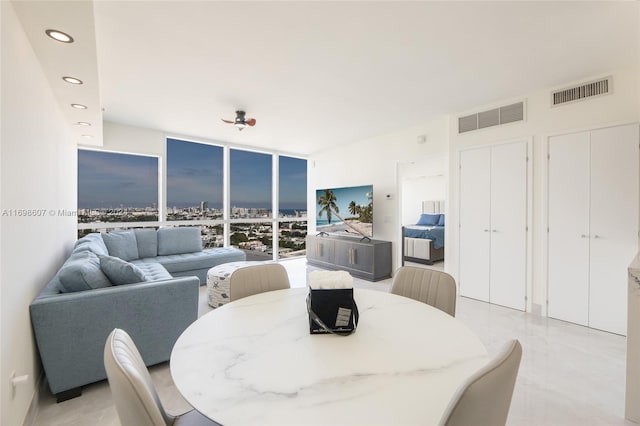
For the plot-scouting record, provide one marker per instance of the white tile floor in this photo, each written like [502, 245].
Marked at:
[570, 375]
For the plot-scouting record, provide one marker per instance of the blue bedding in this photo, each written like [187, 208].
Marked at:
[434, 233]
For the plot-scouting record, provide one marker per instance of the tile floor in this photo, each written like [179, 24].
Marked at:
[570, 375]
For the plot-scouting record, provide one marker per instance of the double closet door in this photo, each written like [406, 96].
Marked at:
[493, 224]
[593, 225]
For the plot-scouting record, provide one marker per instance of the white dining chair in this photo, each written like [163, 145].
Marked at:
[134, 394]
[485, 397]
[254, 279]
[429, 286]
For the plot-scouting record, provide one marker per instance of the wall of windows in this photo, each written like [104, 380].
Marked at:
[237, 197]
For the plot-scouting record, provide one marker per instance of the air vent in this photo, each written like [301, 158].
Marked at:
[583, 91]
[492, 117]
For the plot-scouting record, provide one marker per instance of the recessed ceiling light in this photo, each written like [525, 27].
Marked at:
[79, 106]
[59, 36]
[72, 80]
[83, 123]
[87, 136]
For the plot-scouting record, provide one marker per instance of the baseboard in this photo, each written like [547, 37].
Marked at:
[34, 407]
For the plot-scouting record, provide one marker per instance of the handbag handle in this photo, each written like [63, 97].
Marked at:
[317, 320]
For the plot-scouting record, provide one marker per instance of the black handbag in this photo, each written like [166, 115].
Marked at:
[332, 311]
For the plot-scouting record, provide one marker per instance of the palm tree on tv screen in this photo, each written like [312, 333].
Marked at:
[353, 207]
[328, 203]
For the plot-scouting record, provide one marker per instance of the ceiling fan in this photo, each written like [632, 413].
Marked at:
[240, 122]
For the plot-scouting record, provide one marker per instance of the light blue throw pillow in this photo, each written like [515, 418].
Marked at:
[427, 219]
[179, 240]
[121, 272]
[82, 272]
[147, 240]
[121, 244]
[441, 221]
[92, 242]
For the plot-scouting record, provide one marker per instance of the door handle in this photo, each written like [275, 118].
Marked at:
[486, 230]
[597, 236]
[584, 236]
[494, 230]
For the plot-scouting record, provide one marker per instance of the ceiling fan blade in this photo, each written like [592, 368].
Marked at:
[227, 121]
[251, 122]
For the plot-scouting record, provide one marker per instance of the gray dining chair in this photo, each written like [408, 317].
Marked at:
[254, 279]
[134, 394]
[429, 286]
[485, 397]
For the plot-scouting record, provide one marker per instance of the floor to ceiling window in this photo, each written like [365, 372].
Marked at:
[255, 201]
[292, 206]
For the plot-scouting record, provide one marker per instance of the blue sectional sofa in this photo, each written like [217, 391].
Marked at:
[143, 281]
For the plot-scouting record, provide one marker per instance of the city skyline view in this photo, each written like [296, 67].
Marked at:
[194, 175]
[109, 180]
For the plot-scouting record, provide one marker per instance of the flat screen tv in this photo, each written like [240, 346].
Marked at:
[345, 211]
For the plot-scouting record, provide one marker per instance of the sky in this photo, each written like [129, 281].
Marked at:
[109, 180]
[194, 174]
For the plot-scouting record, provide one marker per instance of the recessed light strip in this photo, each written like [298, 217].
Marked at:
[79, 106]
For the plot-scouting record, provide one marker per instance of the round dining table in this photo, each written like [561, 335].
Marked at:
[254, 362]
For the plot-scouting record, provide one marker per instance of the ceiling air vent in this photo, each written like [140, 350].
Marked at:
[583, 91]
[492, 117]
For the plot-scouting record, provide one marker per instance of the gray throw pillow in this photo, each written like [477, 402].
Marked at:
[82, 272]
[121, 272]
[147, 240]
[179, 240]
[121, 244]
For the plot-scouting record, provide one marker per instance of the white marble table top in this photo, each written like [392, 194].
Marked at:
[253, 361]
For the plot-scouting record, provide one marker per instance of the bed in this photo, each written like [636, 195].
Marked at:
[424, 241]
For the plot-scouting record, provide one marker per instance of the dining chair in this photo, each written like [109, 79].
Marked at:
[429, 286]
[134, 394]
[254, 279]
[485, 397]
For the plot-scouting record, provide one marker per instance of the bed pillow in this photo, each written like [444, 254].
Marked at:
[427, 219]
[441, 221]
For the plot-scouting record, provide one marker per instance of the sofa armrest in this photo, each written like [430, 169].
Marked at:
[71, 328]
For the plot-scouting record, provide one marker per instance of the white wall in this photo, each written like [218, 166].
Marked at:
[38, 166]
[375, 161]
[622, 106]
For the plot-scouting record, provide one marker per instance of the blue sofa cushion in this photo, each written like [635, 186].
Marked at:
[204, 259]
[122, 244]
[120, 271]
[147, 241]
[82, 272]
[92, 242]
[153, 271]
[179, 240]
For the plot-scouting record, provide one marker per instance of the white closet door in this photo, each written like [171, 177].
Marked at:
[475, 187]
[508, 225]
[614, 224]
[568, 251]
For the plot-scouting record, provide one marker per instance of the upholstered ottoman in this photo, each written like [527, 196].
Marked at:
[218, 279]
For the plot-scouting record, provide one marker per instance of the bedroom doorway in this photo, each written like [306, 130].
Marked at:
[420, 182]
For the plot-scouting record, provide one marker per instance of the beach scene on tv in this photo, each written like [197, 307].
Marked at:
[347, 211]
